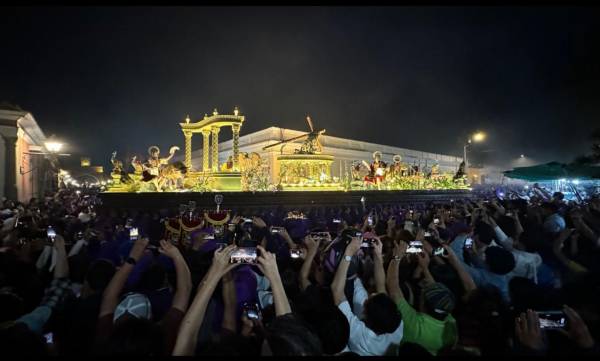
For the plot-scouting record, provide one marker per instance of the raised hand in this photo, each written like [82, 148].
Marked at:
[528, 331]
[423, 259]
[377, 247]
[220, 264]
[257, 221]
[312, 245]
[577, 330]
[400, 248]
[267, 263]
[137, 251]
[168, 249]
[353, 247]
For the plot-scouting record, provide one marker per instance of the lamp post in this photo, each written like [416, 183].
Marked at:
[476, 137]
[52, 147]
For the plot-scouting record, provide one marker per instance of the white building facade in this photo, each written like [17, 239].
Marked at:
[344, 151]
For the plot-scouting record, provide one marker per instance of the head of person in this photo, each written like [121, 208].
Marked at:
[499, 260]
[483, 233]
[381, 314]
[558, 197]
[332, 328]
[99, 275]
[134, 333]
[438, 300]
[289, 336]
[548, 208]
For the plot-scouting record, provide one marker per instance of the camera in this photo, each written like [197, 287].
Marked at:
[244, 255]
[552, 319]
[367, 243]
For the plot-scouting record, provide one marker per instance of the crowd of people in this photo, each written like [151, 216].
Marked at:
[486, 276]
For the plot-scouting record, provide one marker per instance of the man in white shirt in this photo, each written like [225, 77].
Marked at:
[382, 324]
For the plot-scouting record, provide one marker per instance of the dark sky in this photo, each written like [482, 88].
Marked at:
[121, 79]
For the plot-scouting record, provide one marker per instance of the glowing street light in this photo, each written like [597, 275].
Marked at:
[52, 145]
[476, 137]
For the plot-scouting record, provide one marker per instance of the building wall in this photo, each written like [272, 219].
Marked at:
[29, 137]
[345, 151]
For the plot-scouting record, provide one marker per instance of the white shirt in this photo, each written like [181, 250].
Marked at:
[363, 340]
[526, 263]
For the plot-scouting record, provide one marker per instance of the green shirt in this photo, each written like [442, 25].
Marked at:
[426, 331]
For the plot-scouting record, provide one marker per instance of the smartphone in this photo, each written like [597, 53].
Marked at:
[427, 234]
[415, 247]
[244, 255]
[370, 220]
[468, 243]
[51, 233]
[436, 221]
[133, 234]
[367, 243]
[277, 229]
[209, 236]
[337, 220]
[295, 253]
[251, 310]
[248, 220]
[439, 251]
[552, 319]
[49, 337]
[509, 214]
[231, 227]
[128, 223]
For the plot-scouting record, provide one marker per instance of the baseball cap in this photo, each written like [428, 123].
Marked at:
[439, 298]
[135, 304]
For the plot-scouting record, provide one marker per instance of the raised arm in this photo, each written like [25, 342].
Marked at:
[229, 303]
[181, 298]
[190, 325]
[557, 248]
[110, 297]
[378, 271]
[61, 270]
[339, 280]
[267, 263]
[463, 275]
[392, 280]
[312, 247]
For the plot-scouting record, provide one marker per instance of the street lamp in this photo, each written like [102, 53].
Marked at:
[476, 137]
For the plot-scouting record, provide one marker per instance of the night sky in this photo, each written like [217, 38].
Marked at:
[107, 79]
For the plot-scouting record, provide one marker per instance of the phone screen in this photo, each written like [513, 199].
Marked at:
[415, 247]
[51, 233]
[367, 243]
[436, 221]
[468, 243]
[49, 337]
[133, 234]
[439, 251]
[552, 319]
[295, 253]
[244, 255]
[252, 311]
[337, 220]
[370, 220]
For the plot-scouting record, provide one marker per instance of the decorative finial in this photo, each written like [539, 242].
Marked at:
[215, 112]
[187, 119]
[236, 111]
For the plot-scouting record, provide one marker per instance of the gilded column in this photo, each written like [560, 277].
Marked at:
[235, 128]
[188, 149]
[205, 150]
[215, 148]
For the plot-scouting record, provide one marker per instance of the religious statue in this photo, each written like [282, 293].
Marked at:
[377, 170]
[117, 164]
[398, 169]
[227, 166]
[138, 168]
[154, 165]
